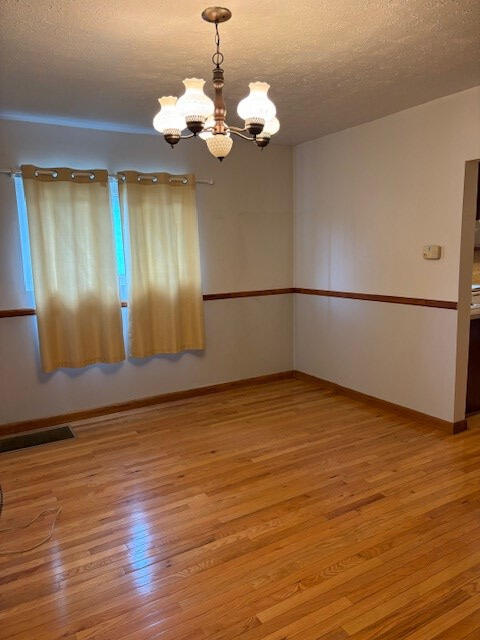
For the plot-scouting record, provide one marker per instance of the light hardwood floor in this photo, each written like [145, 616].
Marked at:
[274, 512]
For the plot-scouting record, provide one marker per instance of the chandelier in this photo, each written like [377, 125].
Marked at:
[196, 112]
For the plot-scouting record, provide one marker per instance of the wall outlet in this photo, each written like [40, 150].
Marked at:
[432, 252]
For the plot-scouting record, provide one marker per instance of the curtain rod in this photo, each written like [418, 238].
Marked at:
[210, 181]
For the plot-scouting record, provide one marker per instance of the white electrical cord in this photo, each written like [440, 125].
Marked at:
[55, 511]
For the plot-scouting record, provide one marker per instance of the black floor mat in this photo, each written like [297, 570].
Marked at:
[35, 438]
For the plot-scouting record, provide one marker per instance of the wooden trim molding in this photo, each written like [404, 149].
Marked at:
[444, 425]
[13, 313]
[247, 294]
[421, 302]
[42, 423]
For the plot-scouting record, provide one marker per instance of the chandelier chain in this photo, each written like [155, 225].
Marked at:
[217, 57]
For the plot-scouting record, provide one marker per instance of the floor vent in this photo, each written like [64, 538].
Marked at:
[35, 438]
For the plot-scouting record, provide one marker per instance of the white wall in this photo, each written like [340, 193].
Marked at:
[245, 225]
[366, 200]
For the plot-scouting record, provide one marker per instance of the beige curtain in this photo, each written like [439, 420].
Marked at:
[74, 267]
[165, 294]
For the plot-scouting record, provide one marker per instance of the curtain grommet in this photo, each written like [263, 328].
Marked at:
[52, 174]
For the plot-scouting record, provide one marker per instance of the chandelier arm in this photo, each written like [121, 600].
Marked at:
[241, 135]
[189, 135]
[238, 129]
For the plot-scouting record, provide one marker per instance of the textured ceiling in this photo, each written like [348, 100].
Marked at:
[331, 63]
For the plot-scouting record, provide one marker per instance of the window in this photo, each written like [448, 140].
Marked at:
[24, 238]
[117, 230]
[25, 241]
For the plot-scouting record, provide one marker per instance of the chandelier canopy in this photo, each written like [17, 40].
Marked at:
[196, 112]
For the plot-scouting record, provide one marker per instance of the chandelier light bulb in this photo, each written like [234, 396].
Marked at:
[220, 145]
[256, 108]
[194, 105]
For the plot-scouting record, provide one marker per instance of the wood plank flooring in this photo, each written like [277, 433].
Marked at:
[273, 512]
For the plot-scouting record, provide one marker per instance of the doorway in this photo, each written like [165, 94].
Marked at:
[467, 379]
[472, 404]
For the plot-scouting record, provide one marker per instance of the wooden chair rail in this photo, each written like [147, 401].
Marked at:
[326, 293]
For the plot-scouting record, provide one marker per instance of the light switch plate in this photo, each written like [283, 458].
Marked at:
[432, 252]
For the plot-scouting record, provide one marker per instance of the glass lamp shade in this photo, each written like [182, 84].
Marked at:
[271, 127]
[220, 145]
[209, 122]
[194, 105]
[168, 120]
[257, 107]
